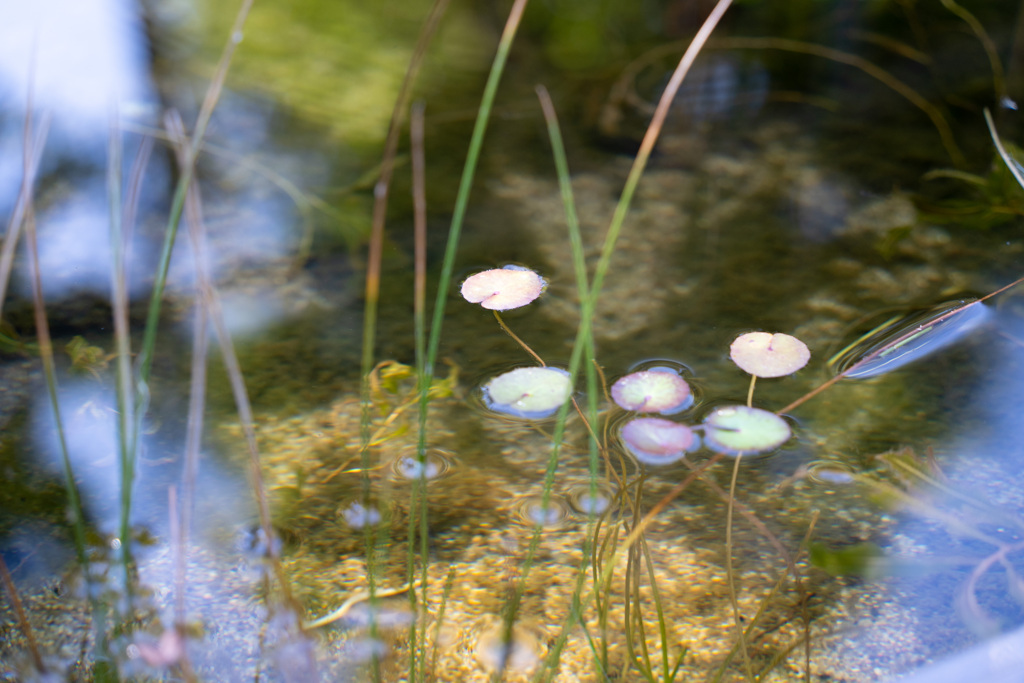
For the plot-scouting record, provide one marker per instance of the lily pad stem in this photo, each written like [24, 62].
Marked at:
[512, 334]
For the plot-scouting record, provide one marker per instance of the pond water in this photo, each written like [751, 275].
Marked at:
[823, 169]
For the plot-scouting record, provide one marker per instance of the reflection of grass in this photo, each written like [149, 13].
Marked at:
[623, 90]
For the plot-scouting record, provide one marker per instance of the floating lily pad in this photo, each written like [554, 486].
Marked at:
[735, 430]
[769, 355]
[502, 289]
[655, 441]
[528, 392]
[652, 391]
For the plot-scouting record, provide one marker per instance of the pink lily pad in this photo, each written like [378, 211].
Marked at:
[501, 289]
[769, 355]
[652, 391]
[655, 441]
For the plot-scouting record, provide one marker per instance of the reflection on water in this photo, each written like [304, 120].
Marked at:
[80, 58]
[905, 338]
[753, 218]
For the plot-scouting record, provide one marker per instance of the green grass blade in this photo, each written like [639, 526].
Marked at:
[50, 373]
[466, 183]
[583, 289]
[588, 305]
[178, 202]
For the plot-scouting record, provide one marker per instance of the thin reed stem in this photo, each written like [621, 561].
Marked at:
[185, 172]
[23, 622]
[987, 44]
[730, 576]
[186, 169]
[372, 298]
[119, 297]
[902, 338]
[211, 302]
[580, 270]
[50, 374]
[455, 231]
[526, 347]
[466, 184]
[418, 503]
[1011, 163]
[658, 607]
[594, 444]
[122, 220]
[33, 151]
[179, 561]
[588, 305]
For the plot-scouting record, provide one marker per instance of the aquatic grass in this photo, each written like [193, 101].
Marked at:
[465, 186]
[23, 220]
[23, 623]
[730, 574]
[762, 610]
[934, 113]
[418, 503]
[425, 361]
[371, 301]
[146, 351]
[186, 171]
[987, 44]
[594, 447]
[180, 514]
[119, 304]
[1011, 163]
[172, 640]
[439, 620]
[588, 304]
[76, 512]
[194, 422]
[103, 661]
[33, 151]
[638, 559]
[208, 306]
[584, 342]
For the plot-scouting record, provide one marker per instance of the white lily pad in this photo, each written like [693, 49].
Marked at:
[502, 289]
[769, 355]
[528, 392]
[740, 430]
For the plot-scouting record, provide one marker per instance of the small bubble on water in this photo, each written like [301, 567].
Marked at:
[409, 467]
[591, 501]
[533, 511]
[358, 516]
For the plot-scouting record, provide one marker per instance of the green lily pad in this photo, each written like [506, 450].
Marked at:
[739, 430]
[528, 392]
